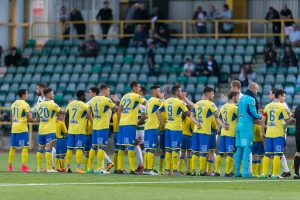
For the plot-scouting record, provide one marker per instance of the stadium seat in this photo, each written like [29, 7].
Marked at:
[239, 50]
[55, 78]
[17, 78]
[269, 79]
[74, 78]
[220, 50]
[58, 69]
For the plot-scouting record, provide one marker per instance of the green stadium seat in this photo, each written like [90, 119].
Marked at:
[5, 88]
[46, 51]
[96, 69]
[190, 89]
[120, 88]
[182, 41]
[36, 78]
[291, 79]
[182, 79]
[17, 78]
[53, 86]
[227, 59]
[261, 41]
[106, 69]
[211, 42]
[241, 41]
[252, 41]
[239, 50]
[232, 41]
[248, 59]
[55, 51]
[168, 59]
[84, 78]
[269, 79]
[170, 50]
[43, 60]
[272, 70]
[11, 70]
[94, 78]
[261, 69]
[139, 59]
[78, 68]
[218, 58]
[49, 69]
[249, 50]
[142, 78]
[62, 60]
[192, 41]
[74, 78]
[123, 78]
[80, 60]
[141, 50]
[65, 78]
[87, 68]
[71, 88]
[145, 69]
[280, 79]
[128, 59]
[37, 52]
[113, 79]
[13, 88]
[100, 59]
[192, 80]
[229, 50]
[160, 50]
[220, 50]
[135, 69]
[173, 42]
[152, 80]
[31, 43]
[282, 70]
[190, 50]
[11, 97]
[201, 41]
[55, 78]
[180, 50]
[119, 59]
[265, 99]
[68, 69]
[132, 77]
[200, 50]
[213, 80]
[158, 59]
[90, 60]
[221, 42]
[2, 99]
[74, 51]
[292, 70]
[131, 50]
[178, 59]
[71, 60]
[260, 49]
[33, 60]
[162, 79]
[29, 69]
[46, 78]
[27, 52]
[172, 79]
[200, 88]
[210, 50]
[238, 60]
[126, 68]
[65, 51]
[290, 90]
[112, 50]
[236, 68]
[202, 80]
[259, 79]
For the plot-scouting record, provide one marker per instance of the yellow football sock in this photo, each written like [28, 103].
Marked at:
[131, 158]
[150, 160]
[120, 160]
[39, 159]
[168, 160]
[194, 162]
[69, 157]
[229, 163]
[161, 164]
[258, 168]
[91, 158]
[146, 160]
[175, 160]
[86, 163]
[48, 160]
[266, 160]
[100, 156]
[210, 166]
[276, 165]
[181, 164]
[24, 155]
[254, 172]
[116, 160]
[218, 163]
[79, 154]
[189, 163]
[62, 163]
[11, 155]
[57, 163]
[202, 164]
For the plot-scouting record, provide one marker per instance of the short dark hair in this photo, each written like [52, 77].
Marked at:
[105, 2]
[95, 90]
[80, 93]
[226, 6]
[103, 87]
[133, 84]
[154, 87]
[175, 88]
[232, 94]
[42, 85]
[208, 89]
[273, 90]
[21, 92]
[47, 91]
[143, 90]
[279, 92]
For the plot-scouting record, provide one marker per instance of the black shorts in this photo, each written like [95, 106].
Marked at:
[297, 138]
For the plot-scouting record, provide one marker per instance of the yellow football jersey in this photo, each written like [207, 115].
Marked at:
[174, 109]
[19, 109]
[100, 107]
[204, 111]
[229, 115]
[47, 111]
[115, 123]
[257, 133]
[164, 118]
[152, 106]
[187, 126]
[276, 115]
[77, 117]
[130, 104]
[61, 129]
[214, 125]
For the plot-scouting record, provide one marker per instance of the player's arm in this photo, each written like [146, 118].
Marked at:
[143, 119]
[221, 122]
[158, 113]
[90, 115]
[253, 111]
[189, 103]
[263, 124]
[29, 117]
[67, 119]
[193, 118]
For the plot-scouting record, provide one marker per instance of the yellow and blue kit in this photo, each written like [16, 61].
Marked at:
[127, 126]
[257, 146]
[47, 111]
[174, 109]
[61, 138]
[77, 111]
[213, 140]
[162, 131]
[187, 131]
[152, 123]
[276, 115]
[101, 108]
[228, 114]
[204, 111]
[115, 128]
[19, 130]
[88, 137]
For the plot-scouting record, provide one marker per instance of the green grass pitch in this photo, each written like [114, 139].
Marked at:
[42, 186]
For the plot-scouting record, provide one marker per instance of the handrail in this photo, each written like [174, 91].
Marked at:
[185, 24]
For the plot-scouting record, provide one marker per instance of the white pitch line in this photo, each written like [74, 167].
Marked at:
[134, 183]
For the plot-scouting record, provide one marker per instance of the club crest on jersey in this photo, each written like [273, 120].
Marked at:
[278, 148]
[244, 141]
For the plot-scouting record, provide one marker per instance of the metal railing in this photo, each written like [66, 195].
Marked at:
[242, 28]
